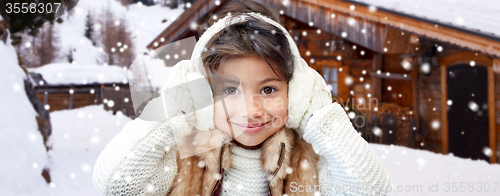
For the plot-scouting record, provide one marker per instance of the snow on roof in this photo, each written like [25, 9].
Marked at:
[482, 15]
[66, 73]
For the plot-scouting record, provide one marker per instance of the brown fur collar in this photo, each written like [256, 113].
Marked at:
[201, 174]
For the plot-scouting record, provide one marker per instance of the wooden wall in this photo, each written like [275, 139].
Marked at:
[429, 88]
[121, 100]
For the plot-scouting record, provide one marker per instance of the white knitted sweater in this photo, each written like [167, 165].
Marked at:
[246, 176]
[141, 160]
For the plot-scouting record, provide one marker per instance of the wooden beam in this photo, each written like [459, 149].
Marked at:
[491, 114]
[395, 76]
[444, 110]
[465, 58]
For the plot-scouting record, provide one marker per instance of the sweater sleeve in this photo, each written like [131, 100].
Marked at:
[347, 166]
[141, 159]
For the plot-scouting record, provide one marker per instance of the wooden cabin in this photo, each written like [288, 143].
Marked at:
[410, 80]
[115, 96]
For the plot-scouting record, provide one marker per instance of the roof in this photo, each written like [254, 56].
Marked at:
[69, 74]
[477, 16]
[473, 24]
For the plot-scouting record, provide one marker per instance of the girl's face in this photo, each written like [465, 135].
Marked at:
[257, 106]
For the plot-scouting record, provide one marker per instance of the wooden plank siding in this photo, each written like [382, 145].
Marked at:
[321, 17]
[413, 25]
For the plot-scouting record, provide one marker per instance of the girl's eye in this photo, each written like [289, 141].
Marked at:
[268, 90]
[231, 91]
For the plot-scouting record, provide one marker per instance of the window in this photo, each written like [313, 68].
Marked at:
[330, 76]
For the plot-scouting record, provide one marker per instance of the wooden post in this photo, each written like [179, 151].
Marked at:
[377, 82]
[444, 110]
[416, 107]
[96, 94]
[491, 114]
[71, 101]
[45, 98]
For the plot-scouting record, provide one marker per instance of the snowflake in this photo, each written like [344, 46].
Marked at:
[487, 151]
[85, 168]
[110, 103]
[377, 131]
[473, 106]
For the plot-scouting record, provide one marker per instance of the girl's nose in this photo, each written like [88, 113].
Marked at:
[254, 107]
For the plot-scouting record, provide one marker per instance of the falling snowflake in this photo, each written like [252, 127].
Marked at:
[348, 80]
[473, 106]
[32, 136]
[487, 151]
[377, 131]
[95, 139]
[128, 179]
[81, 114]
[85, 168]
[406, 64]
[425, 68]
[351, 22]
[110, 103]
[35, 165]
[286, 3]
[372, 8]
[116, 176]
[72, 175]
[150, 188]
[472, 63]
[435, 124]
[351, 115]
[289, 170]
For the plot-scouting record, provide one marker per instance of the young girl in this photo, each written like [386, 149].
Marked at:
[272, 129]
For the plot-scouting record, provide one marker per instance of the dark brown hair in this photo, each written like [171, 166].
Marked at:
[252, 37]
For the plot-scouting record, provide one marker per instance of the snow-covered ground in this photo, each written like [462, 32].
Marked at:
[78, 137]
[414, 171]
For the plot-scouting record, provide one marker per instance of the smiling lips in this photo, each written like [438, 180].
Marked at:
[252, 128]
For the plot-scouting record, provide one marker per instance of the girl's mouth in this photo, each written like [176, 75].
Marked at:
[251, 128]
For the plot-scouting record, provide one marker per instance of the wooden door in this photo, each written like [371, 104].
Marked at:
[468, 111]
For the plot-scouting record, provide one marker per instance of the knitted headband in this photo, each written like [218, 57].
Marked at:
[306, 91]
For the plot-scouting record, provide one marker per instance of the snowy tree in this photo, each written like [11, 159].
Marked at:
[126, 3]
[116, 40]
[43, 49]
[89, 26]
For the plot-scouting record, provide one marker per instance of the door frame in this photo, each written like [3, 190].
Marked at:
[480, 60]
